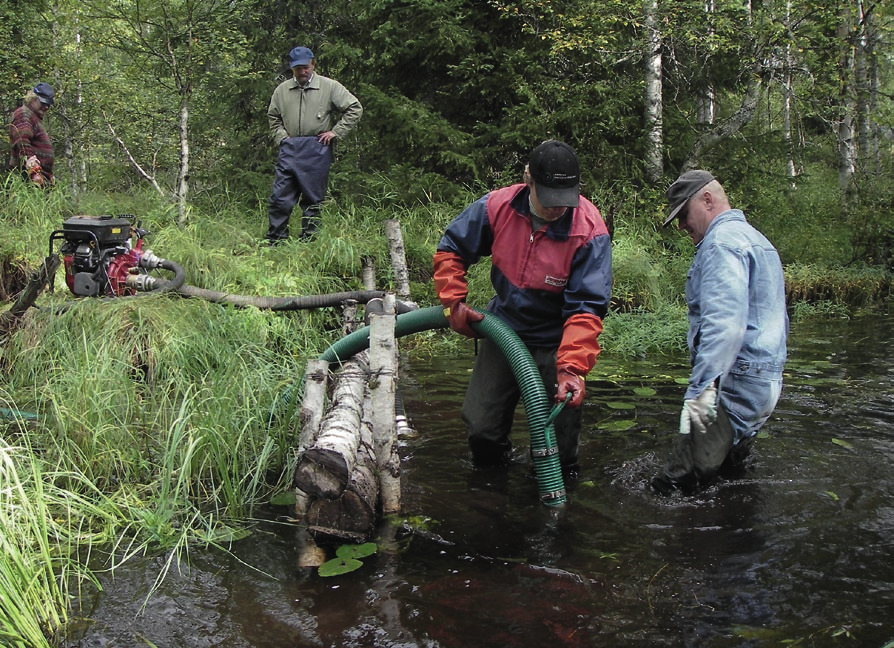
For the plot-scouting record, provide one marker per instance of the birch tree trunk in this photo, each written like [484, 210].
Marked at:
[729, 127]
[787, 98]
[705, 100]
[654, 153]
[183, 175]
[844, 127]
[369, 273]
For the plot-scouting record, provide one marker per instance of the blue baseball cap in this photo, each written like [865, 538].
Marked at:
[300, 56]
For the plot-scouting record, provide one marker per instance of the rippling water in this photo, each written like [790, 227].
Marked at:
[794, 550]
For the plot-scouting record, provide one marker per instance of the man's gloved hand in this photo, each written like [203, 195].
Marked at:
[31, 161]
[699, 413]
[460, 317]
[568, 381]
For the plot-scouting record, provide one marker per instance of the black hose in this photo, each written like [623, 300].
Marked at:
[280, 303]
[174, 284]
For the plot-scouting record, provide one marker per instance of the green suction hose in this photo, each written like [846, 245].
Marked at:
[544, 450]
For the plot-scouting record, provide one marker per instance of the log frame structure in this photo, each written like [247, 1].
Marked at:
[348, 469]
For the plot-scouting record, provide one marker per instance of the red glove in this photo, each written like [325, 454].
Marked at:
[460, 317]
[568, 381]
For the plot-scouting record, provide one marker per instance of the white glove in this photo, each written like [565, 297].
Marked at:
[699, 413]
[31, 161]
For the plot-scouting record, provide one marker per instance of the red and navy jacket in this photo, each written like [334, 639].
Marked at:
[552, 286]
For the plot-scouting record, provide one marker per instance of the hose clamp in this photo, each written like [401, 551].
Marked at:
[553, 495]
[545, 452]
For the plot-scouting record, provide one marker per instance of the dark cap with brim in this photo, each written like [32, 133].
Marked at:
[684, 188]
[45, 94]
[556, 174]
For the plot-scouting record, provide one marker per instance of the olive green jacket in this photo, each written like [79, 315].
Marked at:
[300, 112]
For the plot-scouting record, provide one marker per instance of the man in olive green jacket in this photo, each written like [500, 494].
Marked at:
[307, 113]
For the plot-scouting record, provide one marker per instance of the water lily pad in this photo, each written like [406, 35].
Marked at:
[356, 551]
[681, 381]
[843, 444]
[338, 566]
[644, 391]
[286, 498]
[617, 426]
[620, 406]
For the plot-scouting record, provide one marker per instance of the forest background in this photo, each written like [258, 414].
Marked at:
[147, 420]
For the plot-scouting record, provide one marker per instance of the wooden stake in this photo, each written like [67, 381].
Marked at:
[398, 258]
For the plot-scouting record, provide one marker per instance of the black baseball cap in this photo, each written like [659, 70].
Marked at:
[684, 188]
[45, 94]
[556, 173]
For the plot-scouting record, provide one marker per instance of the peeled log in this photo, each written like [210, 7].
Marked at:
[324, 469]
[351, 516]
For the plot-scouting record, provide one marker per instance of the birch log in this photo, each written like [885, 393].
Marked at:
[383, 363]
[312, 406]
[352, 515]
[325, 468]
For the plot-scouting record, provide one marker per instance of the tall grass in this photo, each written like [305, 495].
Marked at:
[151, 428]
[39, 541]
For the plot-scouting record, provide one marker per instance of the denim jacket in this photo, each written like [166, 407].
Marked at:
[735, 290]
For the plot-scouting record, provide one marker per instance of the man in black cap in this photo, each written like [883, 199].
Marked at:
[31, 148]
[307, 114]
[551, 271]
[738, 325]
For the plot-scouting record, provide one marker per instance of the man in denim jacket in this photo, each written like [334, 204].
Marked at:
[738, 325]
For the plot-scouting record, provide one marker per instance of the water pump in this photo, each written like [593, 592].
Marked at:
[103, 256]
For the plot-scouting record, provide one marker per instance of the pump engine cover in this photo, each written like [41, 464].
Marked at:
[109, 231]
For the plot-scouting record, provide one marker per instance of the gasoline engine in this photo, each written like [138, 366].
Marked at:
[103, 256]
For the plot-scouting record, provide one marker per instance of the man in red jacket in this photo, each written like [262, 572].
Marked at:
[551, 271]
[32, 150]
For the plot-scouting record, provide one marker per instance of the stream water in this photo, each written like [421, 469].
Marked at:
[794, 550]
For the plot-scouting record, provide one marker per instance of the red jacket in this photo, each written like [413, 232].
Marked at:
[552, 286]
